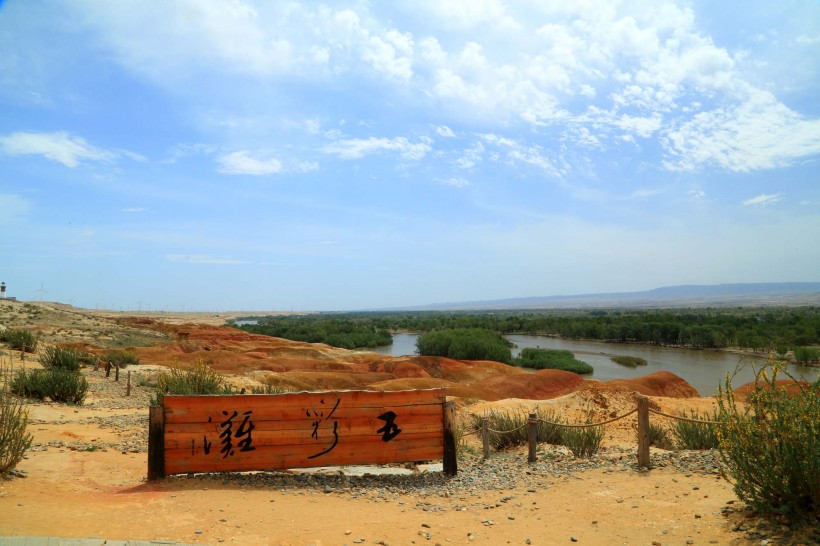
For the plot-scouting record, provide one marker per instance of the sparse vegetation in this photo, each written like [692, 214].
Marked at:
[659, 436]
[689, 435]
[14, 436]
[122, 359]
[200, 378]
[552, 359]
[20, 339]
[629, 361]
[57, 384]
[511, 428]
[64, 358]
[772, 447]
[583, 442]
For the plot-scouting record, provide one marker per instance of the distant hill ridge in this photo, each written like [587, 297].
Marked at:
[783, 293]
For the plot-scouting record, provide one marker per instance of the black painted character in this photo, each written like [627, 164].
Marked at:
[390, 430]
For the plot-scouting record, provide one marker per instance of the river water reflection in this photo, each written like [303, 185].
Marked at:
[704, 370]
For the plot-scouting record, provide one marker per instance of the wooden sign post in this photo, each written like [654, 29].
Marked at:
[267, 432]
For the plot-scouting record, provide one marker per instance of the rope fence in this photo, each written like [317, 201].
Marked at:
[642, 409]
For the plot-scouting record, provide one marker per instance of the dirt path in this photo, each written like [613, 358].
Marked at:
[80, 494]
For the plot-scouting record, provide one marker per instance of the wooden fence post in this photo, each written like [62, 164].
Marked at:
[532, 436]
[128, 385]
[643, 432]
[450, 453]
[156, 442]
[107, 369]
[117, 372]
[485, 437]
[23, 352]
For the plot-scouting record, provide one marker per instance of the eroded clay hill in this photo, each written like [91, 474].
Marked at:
[302, 366]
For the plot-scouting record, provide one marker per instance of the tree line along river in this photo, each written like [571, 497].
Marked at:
[703, 369]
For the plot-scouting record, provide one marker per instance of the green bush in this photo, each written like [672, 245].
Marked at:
[552, 359]
[14, 438]
[583, 442]
[64, 358]
[772, 447]
[122, 359]
[200, 378]
[465, 344]
[629, 361]
[58, 384]
[688, 435]
[20, 339]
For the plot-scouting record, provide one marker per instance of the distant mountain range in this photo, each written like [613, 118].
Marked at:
[784, 293]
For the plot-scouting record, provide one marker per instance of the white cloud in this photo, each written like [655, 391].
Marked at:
[242, 163]
[59, 146]
[203, 259]
[456, 182]
[472, 155]
[760, 133]
[357, 148]
[444, 131]
[134, 210]
[763, 200]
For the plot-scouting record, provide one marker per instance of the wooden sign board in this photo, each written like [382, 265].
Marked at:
[267, 432]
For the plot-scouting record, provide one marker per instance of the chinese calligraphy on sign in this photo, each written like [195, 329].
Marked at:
[319, 418]
[243, 433]
[390, 430]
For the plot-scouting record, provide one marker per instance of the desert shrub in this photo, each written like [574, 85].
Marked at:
[60, 385]
[465, 344]
[511, 428]
[267, 388]
[200, 378]
[20, 339]
[628, 361]
[64, 358]
[689, 435]
[659, 436]
[553, 359]
[14, 438]
[772, 447]
[583, 442]
[122, 359]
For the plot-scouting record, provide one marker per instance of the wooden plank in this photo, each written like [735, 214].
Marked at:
[192, 409]
[304, 423]
[450, 453]
[217, 414]
[286, 438]
[300, 435]
[257, 432]
[156, 443]
[181, 461]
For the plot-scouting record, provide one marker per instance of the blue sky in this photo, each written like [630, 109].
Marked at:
[214, 155]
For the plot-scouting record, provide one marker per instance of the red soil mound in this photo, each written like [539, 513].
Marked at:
[789, 386]
[657, 384]
[539, 385]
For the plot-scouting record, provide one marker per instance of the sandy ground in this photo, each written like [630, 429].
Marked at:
[103, 494]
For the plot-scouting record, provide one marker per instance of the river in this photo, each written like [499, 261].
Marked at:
[704, 370]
